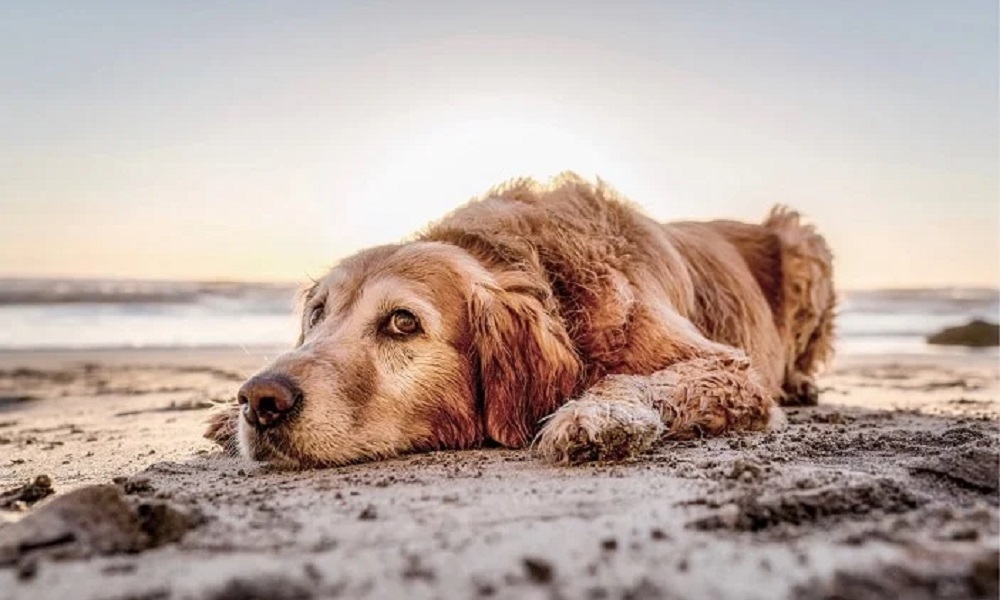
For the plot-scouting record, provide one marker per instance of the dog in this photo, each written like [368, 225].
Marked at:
[556, 316]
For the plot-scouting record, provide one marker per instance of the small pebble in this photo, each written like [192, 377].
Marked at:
[27, 569]
[538, 570]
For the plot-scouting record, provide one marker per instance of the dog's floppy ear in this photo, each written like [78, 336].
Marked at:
[527, 366]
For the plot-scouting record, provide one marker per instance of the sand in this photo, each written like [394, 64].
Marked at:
[888, 489]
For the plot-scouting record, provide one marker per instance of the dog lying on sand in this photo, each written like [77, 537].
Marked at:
[556, 316]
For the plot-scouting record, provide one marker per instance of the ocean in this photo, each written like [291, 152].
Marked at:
[49, 314]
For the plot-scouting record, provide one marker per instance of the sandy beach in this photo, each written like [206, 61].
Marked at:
[888, 489]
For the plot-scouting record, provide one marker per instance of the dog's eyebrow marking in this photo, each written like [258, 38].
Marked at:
[330, 287]
[389, 292]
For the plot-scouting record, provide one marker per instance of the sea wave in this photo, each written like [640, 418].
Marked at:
[82, 313]
[922, 301]
[109, 291]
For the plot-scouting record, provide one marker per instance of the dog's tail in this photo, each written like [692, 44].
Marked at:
[808, 306]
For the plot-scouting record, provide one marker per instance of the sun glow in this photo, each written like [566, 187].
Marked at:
[432, 170]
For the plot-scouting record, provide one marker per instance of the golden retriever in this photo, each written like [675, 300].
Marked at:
[555, 315]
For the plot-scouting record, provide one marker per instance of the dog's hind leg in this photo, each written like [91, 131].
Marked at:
[808, 302]
[622, 415]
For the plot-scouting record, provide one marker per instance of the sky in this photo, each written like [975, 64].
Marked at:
[266, 140]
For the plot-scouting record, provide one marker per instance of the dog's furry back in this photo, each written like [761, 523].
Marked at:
[600, 268]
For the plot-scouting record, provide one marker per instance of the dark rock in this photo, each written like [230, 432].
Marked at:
[975, 334]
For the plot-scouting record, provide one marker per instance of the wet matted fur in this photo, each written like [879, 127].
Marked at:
[557, 316]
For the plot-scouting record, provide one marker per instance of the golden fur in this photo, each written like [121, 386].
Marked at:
[558, 315]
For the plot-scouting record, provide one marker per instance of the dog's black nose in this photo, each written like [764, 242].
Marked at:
[267, 398]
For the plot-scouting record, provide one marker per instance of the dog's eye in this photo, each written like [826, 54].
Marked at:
[403, 322]
[315, 316]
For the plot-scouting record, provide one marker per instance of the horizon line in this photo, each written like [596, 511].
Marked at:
[300, 281]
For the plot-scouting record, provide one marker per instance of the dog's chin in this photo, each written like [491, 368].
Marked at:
[275, 459]
[271, 448]
[268, 447]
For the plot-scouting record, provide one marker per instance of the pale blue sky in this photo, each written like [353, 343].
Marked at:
[265, 139]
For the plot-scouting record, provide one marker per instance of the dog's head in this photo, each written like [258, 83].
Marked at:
[410, 347]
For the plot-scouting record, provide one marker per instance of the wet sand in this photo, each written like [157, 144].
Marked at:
[888, 489]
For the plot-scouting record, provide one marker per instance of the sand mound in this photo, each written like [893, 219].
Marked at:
[93, 520]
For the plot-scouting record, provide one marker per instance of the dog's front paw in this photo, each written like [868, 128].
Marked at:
[590, 429]
[776, 419]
